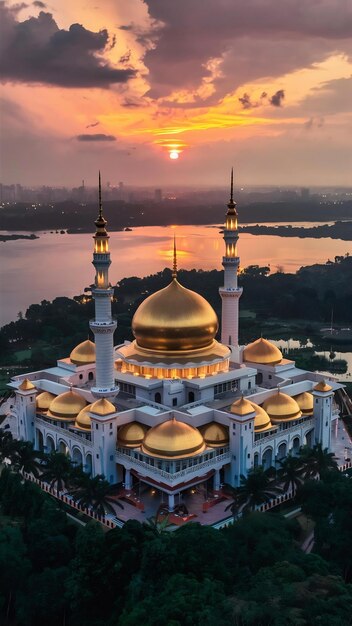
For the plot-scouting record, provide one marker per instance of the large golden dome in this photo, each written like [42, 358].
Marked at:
[84, 353]
[174, 319]
[262, 352]
[173, 440]
[44, 400]
[305, 402]
[215, 435]
[131, 435]
[83, 421]
[282, 408]
[66, 406]
[261, 420]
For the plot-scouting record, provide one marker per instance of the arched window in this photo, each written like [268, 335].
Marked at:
[157, 397]
[90, 376]
[191, 396]
[259, 378]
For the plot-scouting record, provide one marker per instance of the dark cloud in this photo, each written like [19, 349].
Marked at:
[277, 98]
[93, 125]
[125, 58]
[96, 137]
[126, 27]
[37, 51]
[269, 37]
[246, 101]
[39, 4]
[314, 123]
[133, 103]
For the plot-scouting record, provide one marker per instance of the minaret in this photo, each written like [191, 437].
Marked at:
[230, 293]
[103, 326]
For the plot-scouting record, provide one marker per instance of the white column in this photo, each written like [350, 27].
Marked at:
[171, 502]
[217, 480]
[128, 479]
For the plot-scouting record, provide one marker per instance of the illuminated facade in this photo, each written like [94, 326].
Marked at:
[173, 408]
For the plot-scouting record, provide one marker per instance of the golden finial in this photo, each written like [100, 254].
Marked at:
[100, 202]
[174, 265]
[231, 203]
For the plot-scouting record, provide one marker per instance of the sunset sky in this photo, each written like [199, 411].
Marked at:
[120, 84]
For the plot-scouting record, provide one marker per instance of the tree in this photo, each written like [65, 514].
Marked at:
[6, 444]
[291, 472]
[256, 488]
[57, 469]
[95, 493]
[317, 461]
[25, 458]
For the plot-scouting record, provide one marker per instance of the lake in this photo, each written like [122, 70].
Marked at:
[60, 265]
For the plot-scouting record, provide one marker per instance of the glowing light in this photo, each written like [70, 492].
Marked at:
[173, 154]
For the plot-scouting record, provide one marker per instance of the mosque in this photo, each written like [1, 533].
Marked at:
[175, 408]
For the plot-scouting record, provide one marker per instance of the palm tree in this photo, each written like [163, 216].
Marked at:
[291, 472]
[157, 526]
[95, 493]
[6, 444]
[26, 459]
[317, 461]
[57, 470]
[256, 488]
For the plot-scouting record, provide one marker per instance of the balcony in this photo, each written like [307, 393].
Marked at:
[169, 470]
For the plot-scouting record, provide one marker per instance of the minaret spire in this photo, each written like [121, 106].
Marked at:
[103, 326]
[100, 202]
[174, 265]
[230, 293]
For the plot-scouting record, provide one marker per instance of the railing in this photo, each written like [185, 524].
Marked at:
[111, 521]
[176, 476]
[82, 438]
[266, 438]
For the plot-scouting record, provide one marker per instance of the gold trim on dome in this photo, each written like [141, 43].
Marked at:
[44, 400]
[262, 352]
[102, 407]
[241, 407]
[174, 319]
[66, 406]
[282, 408]
[26, 385]
[84, 353]
[323, 387]
[131, 435]
[305, 402]
[215, 435]
[173, 440]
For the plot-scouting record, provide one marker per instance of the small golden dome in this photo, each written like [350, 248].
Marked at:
[131, 435]
[84, 353]
[102, 407]
[262, 352]
[26, 385]
[322, 386]
[66, 406]
[261, 420]
[174, 318]
[241, 407]
[83, 421]
[215, 435]
[173, 439]
[305, 402]
[44, 400]
[282, 408]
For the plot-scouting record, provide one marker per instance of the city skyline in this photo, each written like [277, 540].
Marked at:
[155, 95]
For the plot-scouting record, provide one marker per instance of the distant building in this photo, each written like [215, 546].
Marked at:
[305, 193]
[158, 195]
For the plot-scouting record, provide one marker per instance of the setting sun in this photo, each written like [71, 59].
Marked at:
[174, 154]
